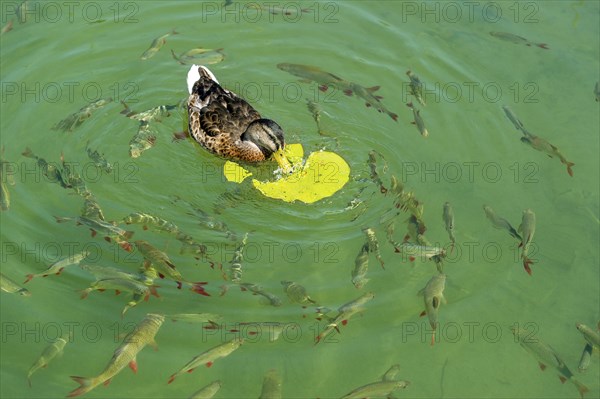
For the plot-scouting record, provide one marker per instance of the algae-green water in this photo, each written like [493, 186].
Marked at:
[66, 55]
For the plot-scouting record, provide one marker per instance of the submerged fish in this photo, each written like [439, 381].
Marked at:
[361, 267]
[315, 111]
[147, 219]
[10, 286]
[415, 87]
[376, 390]
[151, 115]
[527, 229]
[448, 217]
[195, 318]
[373, 244]
[500, 223]
[99, 159]
[6, 178]
[296, 292]
[107, 272]
[513, 118]
[586, 358]
[311, 73]
[200, 56]
[235, 267]
[271, 387]
[509, 37]
[156, 45]
[418, 120]
[256, 289]
[371, 100]
[77, 118]
[159, 260]
[207, 391]
[109, 231]
[50, 352]
[414, 251]
[209, 357]
[597, 91]
[591, 336]
[372, 162]
[124, 355]
[7, 28]
[544, 146]
[433, 296]
[58, 266]
[344, 313]
[91, 209]
[144, 139]
[546, 356]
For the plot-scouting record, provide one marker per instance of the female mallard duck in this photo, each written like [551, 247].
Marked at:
[227, 125]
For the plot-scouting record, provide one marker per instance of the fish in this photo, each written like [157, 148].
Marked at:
[513, 118]
[418, 120]
[297, 293]
[373, 244]
[124, 355]
[597, 91]
[256, 289]
[151, 220]
[271, 386]
[448, 218]
[120, 284]
[371, 100]
[415, 87]
[592, 337]
[55, 349]
[50, 170]
[156, 45]
[10, 286]
[376, 390]
[144, 139]
[22, 11]
[5, 179]
[99, 161]
[310, 73]
[344, 313]
[107, 272]
[58, 266]
[200, 56]
[414, 251]
[392, 374]
[433, 296]
[372, 162]
[235, 267]
[527, 229]
[509, 37]
[546, 356]
[315, 111]
[159, 260]
[109, 231]
[542, 145]
[273, 328]
[77, 118]
[586, 358]
[151, 115]
[91, 209]
[361, 267]
[210, 318]
[500, 223]
[208, 391]
[7, 27]
[209, 357]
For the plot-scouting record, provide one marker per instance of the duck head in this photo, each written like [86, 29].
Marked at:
[267, 135]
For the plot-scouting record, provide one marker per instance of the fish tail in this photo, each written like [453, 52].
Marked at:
[153, 291]
[569, 170]
[60, 219]
[199, 289]
[394, 116]
[29, 277]
[84, 294]
[543, 45]
[580, 387]
[172, 378]
[128, 234]
[526, 263]
[85, 385]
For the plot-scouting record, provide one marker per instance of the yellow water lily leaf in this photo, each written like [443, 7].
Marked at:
[323, 174]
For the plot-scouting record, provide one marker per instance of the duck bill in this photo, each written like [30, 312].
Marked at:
[282, 161]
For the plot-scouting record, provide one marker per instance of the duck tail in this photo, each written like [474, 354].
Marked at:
[192, 77]
[207, 73]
